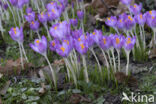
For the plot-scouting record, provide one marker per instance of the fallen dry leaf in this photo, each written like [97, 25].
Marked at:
[77, 99]
[14, 67]
[42, 90]
[5, 88]
[152, 53]
[1, 75]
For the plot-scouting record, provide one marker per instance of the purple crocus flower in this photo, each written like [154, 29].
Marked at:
[80, 14]
[53, 44]
[53, 14]
[34, 25]
[60, 30]
[43, 17]
[118, 41]
[126, 2]
[111, 21]
[51, 5]
[136, 9]
[29, 10]
[81, 46]
[30, 16]
[13, 2]
[96, 36]
[17, 34]
[105, 42]
[77, 33]
[140, 19]
[74, 22]
[5, 6]
[20, 3]
[40, 46]
[64, 49]
[150, 15]
[129, 22]
[129, 43]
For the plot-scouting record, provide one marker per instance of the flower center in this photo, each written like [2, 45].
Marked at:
[150, 12]
[53, 44]
[120, 20]
[32, 23]
[117, 40]
[135, 6]
[55, 27]
[152, 17]
[51, 3]
[14, 29]
[62, 48]
[82, 46]
[104, 40]
[109, 19]
[128, 40]
[141, 16]
[79, 39]
[94, 33]
[37, 41]
[66, 41]
[53, 10]
[130, 18]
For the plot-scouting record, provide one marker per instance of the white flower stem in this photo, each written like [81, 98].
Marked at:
[127, 66]
[52, 72]
[85, 68]
[112, 51]
[96, 59]
[45, 25]
[107, 64]
[38, 34]
[118, 51]
[117, 31]
[144, 36]
[19, 19]
[21, 55]
[110, 61]
[71, 69]
[24, 53]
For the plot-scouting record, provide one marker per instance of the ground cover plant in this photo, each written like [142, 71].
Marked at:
[50, 56]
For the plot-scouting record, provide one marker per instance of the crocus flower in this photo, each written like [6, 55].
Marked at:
[63, 49]
[126, 2]
[140, 19]
[80, 14]
[111, 21]
[30, 16]
[129, 22]
[29, 10]
[129, 43]
[150, 15]
[20, 3]
[43, 17]
[74, 22]
[81, 46]
[96, 36]
[136, 9]
[13, 2]
[17, 34]
[120, 22]
[60, 30]
[77, 33]
[34, 25]
[53, 44]
[53, 14]
[51, 5]
[118, 41]
[40, 46]
[5, 6]
[105, 42]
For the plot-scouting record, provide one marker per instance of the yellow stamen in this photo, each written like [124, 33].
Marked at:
[141, 16]
[79, 39]
[53, 10]
[135, 6]
[152, 17]
[117, 40]
[150, 12]
[55, 27]
[32, 22]
[51, 3]
[94, 33]
[109, 19]
[37, 41]
[130, 18]
[82, 46]
[53, 43]
[128, 40]
[62, 48]
[15, 30]
[104, 40]
[66, 41]
[120, 20]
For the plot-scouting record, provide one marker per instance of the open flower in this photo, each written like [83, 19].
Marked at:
[118, 41]
[140, 19]
[96, 36]
[40, 46]
[150, 16]
[53, 44]
[111, 21]
[74, 22]
[64, 48]
[60, 30]
[43, 17]
[13, 2]
[129, 43]
[129, 22]
[17, 34]
[29, 10]
[30, 16]
[34, 25]
[105, 42]
[77, 33]
[136, 9]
